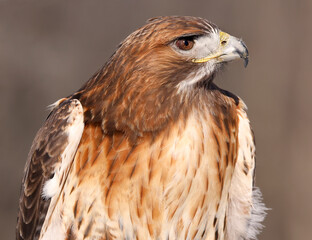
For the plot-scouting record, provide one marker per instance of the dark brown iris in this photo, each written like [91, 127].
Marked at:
[185, 43]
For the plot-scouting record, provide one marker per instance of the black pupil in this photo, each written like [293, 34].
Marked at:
[186, 42]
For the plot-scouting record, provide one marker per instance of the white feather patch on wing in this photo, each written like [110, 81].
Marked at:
[50, 187]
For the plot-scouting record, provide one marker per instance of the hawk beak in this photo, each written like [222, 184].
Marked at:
[230, 48]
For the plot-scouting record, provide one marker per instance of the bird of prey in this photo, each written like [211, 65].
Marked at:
[149, 148]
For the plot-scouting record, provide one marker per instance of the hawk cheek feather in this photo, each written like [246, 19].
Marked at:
[149, 147]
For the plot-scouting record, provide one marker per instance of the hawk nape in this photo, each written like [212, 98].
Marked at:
[149, 147]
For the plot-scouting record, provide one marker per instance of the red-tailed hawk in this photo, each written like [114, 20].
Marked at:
[149, 147]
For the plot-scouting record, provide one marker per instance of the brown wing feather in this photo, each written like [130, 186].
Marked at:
[47, 147]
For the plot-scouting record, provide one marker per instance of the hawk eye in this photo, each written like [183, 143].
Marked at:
[185, 43]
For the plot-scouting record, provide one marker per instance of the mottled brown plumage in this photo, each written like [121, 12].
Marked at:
[49, 143]
[149, 147]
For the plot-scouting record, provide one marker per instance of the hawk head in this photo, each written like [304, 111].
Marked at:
[180, 50]
[156, 72]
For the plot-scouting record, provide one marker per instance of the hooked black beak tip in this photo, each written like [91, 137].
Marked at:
[246, 61]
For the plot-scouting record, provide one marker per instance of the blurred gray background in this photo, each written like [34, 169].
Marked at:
[48, 49]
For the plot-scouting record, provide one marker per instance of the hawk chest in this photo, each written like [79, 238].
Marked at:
[172, 186]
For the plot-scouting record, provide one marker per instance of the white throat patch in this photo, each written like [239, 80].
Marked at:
[205, 71]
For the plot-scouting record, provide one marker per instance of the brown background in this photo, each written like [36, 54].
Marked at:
[49, 48]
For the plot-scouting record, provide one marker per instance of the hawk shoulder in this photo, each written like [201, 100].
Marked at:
[245, 208]
[48, 162]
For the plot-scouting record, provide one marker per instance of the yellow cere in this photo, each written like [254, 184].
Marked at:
[223, 37]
